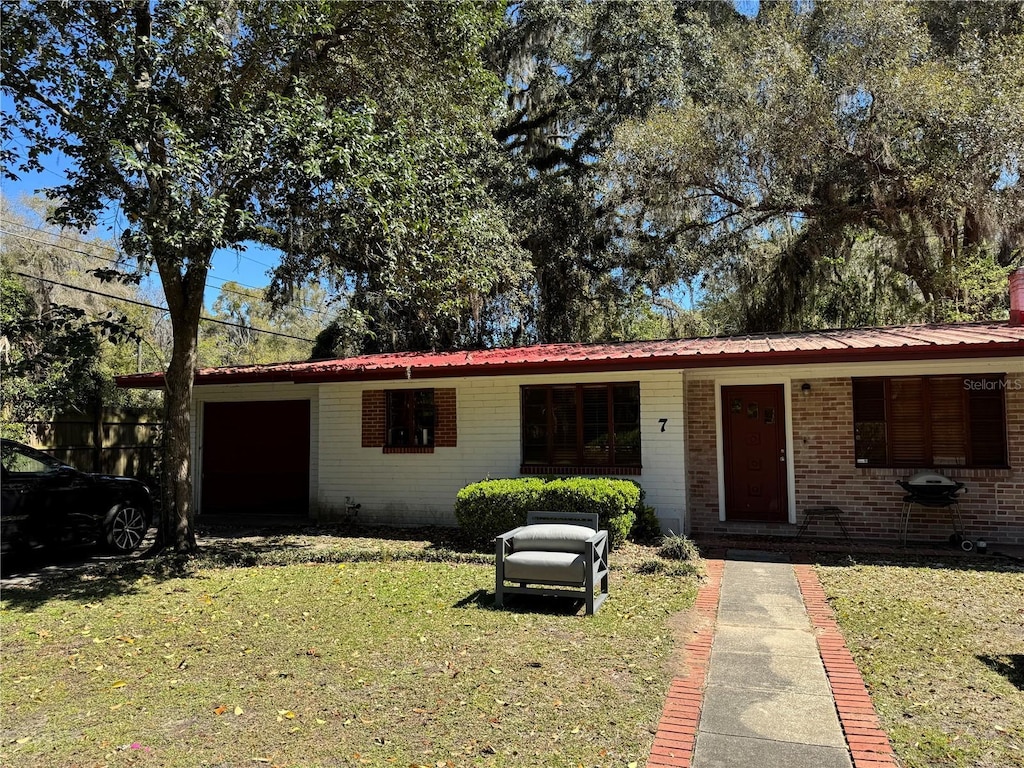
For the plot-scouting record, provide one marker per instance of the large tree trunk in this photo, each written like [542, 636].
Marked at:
[184, 293]
[177, 525]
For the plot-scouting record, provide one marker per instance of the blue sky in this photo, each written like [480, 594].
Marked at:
[248, 268]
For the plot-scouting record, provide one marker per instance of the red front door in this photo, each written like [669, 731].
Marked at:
[754, 443]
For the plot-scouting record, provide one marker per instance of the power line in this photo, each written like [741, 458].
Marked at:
[161, 309]
[300, 307]
[114, 250]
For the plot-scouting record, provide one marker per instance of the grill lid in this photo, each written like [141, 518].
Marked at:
[930, 479]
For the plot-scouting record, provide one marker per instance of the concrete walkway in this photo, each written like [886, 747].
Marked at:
[769, 680]
[767, 701]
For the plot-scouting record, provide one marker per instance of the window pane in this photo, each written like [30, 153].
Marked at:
[410, 417]
[596, 439]
[948, 421]
[987, 422]
[907, 422]
[869, 433]
[535, 425]
[627, 424]
[399, 432]
[592, 425]
[563, 442]
[423, 417]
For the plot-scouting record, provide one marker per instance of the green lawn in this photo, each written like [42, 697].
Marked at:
[389, 662]
[941, 647]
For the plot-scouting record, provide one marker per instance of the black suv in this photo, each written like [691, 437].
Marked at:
[46, 503]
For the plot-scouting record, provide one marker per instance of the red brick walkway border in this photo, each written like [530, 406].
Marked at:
[677, 729]
[869, 745]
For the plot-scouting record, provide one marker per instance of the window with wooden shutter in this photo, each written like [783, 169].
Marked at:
[930, 421]
[569, 428]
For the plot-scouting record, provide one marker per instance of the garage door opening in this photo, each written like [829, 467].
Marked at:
[256, 458]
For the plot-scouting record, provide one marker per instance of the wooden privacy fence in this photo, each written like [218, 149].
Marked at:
[113, 441]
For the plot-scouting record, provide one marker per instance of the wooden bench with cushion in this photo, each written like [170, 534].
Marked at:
[556, 554]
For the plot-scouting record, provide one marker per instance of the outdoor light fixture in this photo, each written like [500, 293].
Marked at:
[805, 388]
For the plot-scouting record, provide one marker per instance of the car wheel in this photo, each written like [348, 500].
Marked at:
[126, 527]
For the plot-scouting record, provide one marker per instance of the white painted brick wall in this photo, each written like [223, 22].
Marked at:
[420, 488]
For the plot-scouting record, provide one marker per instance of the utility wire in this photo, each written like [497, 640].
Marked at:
[114, 250]
[161, 309]
[300, 307]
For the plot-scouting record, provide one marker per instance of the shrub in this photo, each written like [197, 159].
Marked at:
[491, 507]
[615, 501]
[647, 527]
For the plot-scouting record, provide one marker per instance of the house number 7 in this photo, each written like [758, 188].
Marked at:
[663, 422]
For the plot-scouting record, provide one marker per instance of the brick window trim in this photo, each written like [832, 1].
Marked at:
[374, 422]
[580, 469]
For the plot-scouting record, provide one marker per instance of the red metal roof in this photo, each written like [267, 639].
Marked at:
[916, 342]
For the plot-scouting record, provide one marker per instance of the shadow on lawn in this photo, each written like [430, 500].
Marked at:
[534, 604]
[911, 559]
[1010, 666]
[88, 581]
[76, 576]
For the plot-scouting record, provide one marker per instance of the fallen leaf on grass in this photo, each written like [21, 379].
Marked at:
[220, 710]
[118, 684]
[286, 713]
[239, 711]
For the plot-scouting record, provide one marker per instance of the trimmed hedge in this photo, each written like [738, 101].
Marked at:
[491, 507]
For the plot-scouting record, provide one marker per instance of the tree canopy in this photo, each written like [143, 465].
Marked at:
[849, 149]
[323, 129]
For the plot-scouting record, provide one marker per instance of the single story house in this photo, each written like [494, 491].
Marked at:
[727, 435]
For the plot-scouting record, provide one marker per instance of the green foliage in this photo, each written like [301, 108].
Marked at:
[647, 527]
[247, 328]
[491, 507]
[615, 501]
[53, 360]
[338, 133]
[575, 72]
[64, 344]
[857, 163]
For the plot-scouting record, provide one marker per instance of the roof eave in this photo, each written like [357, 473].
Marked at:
[689, 361]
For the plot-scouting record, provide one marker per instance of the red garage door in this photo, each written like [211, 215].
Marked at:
[256, 458]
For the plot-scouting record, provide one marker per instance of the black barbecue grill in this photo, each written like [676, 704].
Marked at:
[932, 490]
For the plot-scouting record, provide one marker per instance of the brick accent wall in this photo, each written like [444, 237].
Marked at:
[992, 507]
[446, 431]
[825, 473]
[701, 457]
[374, 428]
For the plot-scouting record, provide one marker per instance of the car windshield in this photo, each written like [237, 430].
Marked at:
[20, 459]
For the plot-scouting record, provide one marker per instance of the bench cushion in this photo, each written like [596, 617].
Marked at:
[532, 566]
[552, 537]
